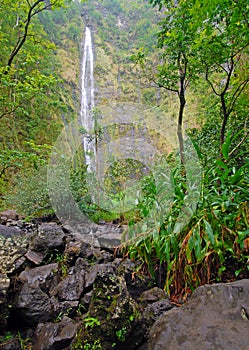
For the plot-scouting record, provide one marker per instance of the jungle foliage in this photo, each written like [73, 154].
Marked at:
[36, 93]
[204, 48]
[194, 53]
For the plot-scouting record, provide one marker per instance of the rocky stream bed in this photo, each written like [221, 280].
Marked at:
[70, 289]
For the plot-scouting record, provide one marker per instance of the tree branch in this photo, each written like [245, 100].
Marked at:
[229, 74]
[33, 10]
[210, 83]
[166, 87]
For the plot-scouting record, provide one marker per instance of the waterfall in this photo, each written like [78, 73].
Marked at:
[87, 102]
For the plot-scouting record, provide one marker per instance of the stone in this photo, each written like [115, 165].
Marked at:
[43, 276]
[50, 236]
[4, 286]
[103, 257]
[116, 312]
[34, 257]
[136, 283]
[109, 240]
[33, 305]
[54, 336]
[19, 263]
[92, 274]
[98, 236]
[215, 317]
[8, 215]
[64, 307]
[9, 231]
[13, 246]
[86, 299]
[4, 311]
[81, 263]
[152, 295]
[156, 309]
[71, 287]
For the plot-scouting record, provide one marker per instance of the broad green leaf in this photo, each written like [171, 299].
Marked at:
[209, 232]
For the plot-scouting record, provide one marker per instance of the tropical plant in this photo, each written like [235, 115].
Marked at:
[214, 240]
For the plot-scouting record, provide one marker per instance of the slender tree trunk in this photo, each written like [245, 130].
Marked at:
[222, 131]
[224, 122]
[180, 119]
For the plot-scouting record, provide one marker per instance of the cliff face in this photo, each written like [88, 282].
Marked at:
[124, 92]
[119, 29]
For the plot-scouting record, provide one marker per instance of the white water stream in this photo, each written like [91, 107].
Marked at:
[87, 102]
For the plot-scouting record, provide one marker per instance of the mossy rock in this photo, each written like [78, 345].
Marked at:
[112, 315]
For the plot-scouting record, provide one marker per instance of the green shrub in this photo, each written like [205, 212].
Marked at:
[29, 195]
[214, 243]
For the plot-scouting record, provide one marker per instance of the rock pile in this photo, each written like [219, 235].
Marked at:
[59, 290]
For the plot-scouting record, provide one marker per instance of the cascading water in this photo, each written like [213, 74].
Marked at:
[87, 102]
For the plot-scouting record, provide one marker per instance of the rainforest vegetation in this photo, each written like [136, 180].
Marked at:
[186, 60]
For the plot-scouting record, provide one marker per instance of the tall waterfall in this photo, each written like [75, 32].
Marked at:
[87, 102]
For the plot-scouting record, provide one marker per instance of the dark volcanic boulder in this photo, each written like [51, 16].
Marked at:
[50, 236]
[33, 305]
[71, 287]
[54, 336]
[9, 231]
[13, 245]
[152, 295]
[216, 317]
[137, 283]
[45, 276]
[112, 316]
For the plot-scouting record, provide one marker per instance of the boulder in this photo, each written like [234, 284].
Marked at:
[54, 336]
[9, 231]
[66, 307]
[8, 215]
[49, 237]
[71, 287]
[4, 310]
[34, 257]
[33, 305]
[99, 236]
[109, 240]
[152, 295]
[112, 313]
[13, 245]
[92, 274]
[156, 309]
[45, 276]
[136, 282]
[215, 317]
[4, 286]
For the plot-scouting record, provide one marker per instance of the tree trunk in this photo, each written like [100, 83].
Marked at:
[224, 122]
[180, 119]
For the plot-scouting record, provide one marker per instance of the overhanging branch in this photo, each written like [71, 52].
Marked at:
[33, 10]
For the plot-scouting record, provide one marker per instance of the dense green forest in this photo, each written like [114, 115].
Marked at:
[39, 92]
[180, 60]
